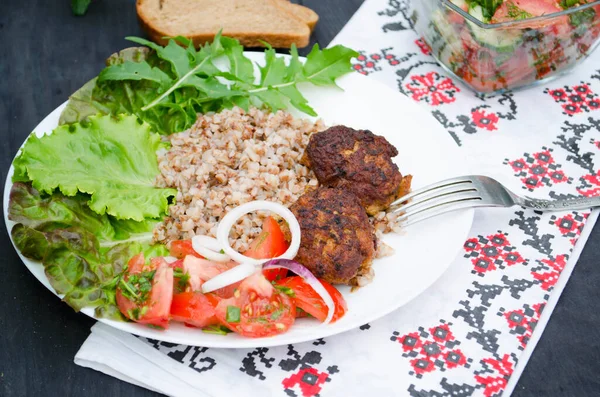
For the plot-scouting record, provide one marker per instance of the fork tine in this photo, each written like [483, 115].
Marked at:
[435, 211]
[441, 201]
[433, 186]
[433, 194]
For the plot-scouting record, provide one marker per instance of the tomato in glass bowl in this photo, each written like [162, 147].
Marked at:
[499, 45]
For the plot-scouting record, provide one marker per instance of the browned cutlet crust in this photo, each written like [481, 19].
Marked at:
[356, 160]
[338, 242]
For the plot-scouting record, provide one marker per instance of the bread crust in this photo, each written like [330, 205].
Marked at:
[276, 40]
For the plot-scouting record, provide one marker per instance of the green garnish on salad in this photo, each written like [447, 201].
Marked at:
[517, 13]
[233, 314]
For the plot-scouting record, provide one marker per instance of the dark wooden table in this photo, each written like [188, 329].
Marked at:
[45, 54]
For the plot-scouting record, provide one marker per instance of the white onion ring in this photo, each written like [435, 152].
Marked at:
[310, 279]
[170, 259]
[232, 216]
[209, 248]
[229, 277]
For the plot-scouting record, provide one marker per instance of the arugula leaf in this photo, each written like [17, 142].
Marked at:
[322, 67]
[193, 84]
[112, 160]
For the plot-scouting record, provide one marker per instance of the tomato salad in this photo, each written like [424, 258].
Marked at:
[514, 54]
[263, 302]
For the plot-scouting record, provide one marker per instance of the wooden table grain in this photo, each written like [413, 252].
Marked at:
[45, 54]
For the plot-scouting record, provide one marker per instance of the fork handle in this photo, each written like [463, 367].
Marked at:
[579, 203]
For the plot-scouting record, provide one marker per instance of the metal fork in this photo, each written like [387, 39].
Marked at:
[473, 191]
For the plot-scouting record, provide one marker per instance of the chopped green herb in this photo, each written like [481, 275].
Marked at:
[570, 3]
[154, 326]
[517, 13]
[583, 17]
[285, 290]
[137, 287]
[488, 7]
[233, 314]
[216, 329]
[184, 278]
[277, 313]
[302, 311]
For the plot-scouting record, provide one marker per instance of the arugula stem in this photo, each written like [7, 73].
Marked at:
[272, 86]
[176, 85]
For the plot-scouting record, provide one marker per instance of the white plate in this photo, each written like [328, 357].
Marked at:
[422, 252]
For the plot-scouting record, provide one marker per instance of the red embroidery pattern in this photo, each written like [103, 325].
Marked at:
[549, 271]
[484, 120]
[538, 169]
[576, 99]
[425, 49]
[522, 322]
[432, 88]
[495, 374]
[570, 225]
[589, 185]
[367, 64]
[309, 380]
[431, 350]
[491, 252]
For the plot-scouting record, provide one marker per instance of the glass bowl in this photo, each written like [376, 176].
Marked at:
[506, 55]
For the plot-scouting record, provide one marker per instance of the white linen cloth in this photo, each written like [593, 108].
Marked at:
[473, 331]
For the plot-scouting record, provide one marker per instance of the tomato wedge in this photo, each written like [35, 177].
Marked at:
[257, 309]
[194, 309]
[181, 248]
[270, 243]
[145, 292]
[308, 300]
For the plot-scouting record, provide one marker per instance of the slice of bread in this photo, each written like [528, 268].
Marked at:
[251, 22]
[303, 13]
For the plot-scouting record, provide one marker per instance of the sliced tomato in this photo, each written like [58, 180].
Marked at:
[181, 248]
[178, 264]
[455, 17]
[136, 264]
[257, 309]
[270, 243]
[521, 9]
[275, 274]
[199, 270]
[307, 299]
[194, 309]
[136, 302]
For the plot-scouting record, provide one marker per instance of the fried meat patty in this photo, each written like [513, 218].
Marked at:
[338, 242]
[359, 161]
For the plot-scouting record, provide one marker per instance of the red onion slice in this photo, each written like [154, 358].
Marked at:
[310, 280]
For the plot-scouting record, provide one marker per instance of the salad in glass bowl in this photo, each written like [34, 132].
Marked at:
[499, 45]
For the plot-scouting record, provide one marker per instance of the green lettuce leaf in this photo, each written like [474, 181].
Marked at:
[28, 207]
[81, 251]
[81, 105]
[111, 159]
